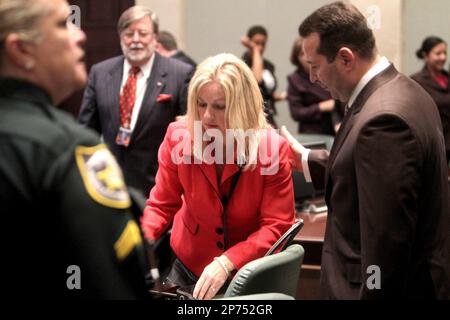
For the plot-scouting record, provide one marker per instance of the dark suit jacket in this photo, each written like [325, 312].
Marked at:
[100, 111]
[180, 55]
[304, 97]
[442, 98]
[387, 195]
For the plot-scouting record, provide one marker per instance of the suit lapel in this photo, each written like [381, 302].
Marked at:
[155, 86]
[228, 171]
[209, 172]
[113, 94]
[349, 119]
[345, 128]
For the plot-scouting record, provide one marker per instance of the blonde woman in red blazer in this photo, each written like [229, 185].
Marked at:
[194, 178]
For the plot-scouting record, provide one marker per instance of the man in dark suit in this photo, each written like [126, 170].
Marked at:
[131, 99]
[387, 233]
[166, 45]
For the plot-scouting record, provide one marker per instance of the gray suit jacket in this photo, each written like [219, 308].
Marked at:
[100, 111]
[387, 195]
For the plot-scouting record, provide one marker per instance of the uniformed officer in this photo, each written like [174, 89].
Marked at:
[62, 195]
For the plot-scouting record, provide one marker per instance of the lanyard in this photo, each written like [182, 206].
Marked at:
[225, 200]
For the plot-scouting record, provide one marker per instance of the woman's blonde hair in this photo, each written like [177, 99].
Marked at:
[244, 109]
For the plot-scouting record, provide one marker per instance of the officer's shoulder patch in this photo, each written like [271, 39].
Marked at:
[102, 176]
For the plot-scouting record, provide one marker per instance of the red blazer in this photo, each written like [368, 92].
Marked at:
[260, 210]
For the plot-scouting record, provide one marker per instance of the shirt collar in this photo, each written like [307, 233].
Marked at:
[379, 67]
[145, 69]
[24, 90]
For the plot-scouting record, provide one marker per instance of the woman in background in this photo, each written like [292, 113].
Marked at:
[435, 80]
[263, 70]
[310, 104]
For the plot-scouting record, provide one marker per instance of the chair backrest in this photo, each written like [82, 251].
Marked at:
[286, 238]
[277, 273]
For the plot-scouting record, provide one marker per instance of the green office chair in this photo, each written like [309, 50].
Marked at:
[276, 273]
[286, 238]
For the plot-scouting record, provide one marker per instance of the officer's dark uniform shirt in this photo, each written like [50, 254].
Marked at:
[64, 206]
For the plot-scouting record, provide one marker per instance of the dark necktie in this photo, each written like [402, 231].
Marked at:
[128, 98]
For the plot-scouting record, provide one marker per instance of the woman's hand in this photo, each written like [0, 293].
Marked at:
[327, 105]
[246, 42]
[212, 279]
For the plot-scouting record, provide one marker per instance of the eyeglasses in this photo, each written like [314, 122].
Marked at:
[129, 34]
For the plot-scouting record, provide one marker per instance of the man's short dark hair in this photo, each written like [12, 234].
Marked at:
[256, 30]
[340, 25]
[167, 40]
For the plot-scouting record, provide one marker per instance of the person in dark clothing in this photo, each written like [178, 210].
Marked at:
[387, 233]
[435, 80]
[60, 189]
[131, 99]
[263, 70]
[310, 104]
[166, 45]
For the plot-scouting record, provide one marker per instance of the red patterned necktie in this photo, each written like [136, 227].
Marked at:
[128, 98]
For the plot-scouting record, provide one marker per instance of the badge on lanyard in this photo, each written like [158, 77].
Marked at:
[123, 137]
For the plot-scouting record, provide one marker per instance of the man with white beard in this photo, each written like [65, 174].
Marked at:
[131, 99]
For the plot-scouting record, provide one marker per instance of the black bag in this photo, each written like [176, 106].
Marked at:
[179, 284]
[173, 292]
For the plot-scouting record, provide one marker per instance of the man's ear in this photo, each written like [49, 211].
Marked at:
[346, 58]
[19, 52]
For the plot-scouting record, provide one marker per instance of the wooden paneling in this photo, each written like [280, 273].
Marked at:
[311, 237]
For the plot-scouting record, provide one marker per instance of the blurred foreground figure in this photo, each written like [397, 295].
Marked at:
[62, 193]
